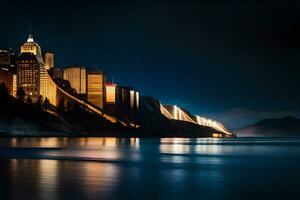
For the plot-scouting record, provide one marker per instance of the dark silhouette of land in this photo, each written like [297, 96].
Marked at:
[19, 117]
[286, 126]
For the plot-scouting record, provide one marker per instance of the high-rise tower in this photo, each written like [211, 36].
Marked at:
[32, 47]
[77, 78]
[32, 75]
[96, 87]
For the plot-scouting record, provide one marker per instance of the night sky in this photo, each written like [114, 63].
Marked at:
[235, 61]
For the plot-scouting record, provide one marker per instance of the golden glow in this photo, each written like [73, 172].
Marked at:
[95, 89]
[77, 78]
[174, 145]
[132, 99]
[14, 93]
[32, 47]
[48, 88]
[177, 113]
[165, 112]
[92, 108]
[217, 135]
[110, 93]
[35, 77]
[28, 77]
[49, 60]
[137, 100]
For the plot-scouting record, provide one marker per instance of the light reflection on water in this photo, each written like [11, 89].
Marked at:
[69, 142]
[168, 168]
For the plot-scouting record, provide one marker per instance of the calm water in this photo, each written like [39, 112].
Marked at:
[111, 168]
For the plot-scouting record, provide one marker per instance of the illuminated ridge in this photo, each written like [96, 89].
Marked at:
[176, 113]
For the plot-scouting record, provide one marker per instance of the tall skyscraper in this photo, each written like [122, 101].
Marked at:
[32, 75]
[28, 75]
[49, 60]
[96, 87]
[77, 78]
[32, 47]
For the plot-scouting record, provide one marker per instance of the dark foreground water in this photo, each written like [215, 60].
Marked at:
[111, 168]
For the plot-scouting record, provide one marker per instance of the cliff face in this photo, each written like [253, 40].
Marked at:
[287, 126]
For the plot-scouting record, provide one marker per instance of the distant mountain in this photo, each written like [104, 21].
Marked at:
[286, 126]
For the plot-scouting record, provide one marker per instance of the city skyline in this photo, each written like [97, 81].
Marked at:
[150, 99]
[42, 83]
[220, 74]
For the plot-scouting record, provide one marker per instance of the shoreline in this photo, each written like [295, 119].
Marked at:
[121, 134]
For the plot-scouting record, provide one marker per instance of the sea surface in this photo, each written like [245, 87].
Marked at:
[133, 168]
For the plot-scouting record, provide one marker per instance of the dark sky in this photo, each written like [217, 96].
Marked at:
[236, 61]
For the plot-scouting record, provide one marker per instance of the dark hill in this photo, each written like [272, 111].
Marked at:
[22, 119]
[157, 125]
[286, 126]
[18, 118]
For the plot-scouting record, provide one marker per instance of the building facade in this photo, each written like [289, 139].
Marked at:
[121, 101]
[77, 78]
[96, 87]
[8, 70]
[28, 73]
[49, 60]
[32, 76]
[110, 96]
[32, 47]
[127, 101]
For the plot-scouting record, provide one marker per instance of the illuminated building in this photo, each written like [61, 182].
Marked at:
[49, 60]
[110, 89]
[8, 70]
[28, 73]
[96, 87]
[127, 101]
[32, 75]
[121, 101]
[77, 78]
[32, 47]
[110, 98]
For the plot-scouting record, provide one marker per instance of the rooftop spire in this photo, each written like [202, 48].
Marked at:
[30, 38]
